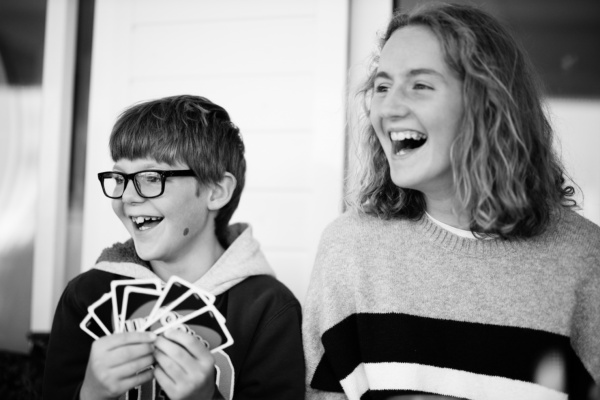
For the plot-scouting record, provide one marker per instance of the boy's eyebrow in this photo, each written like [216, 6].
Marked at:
[143, 167]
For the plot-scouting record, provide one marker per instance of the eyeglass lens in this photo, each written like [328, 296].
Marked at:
[148, 184]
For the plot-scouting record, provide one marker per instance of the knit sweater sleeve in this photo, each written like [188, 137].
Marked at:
[585, 335]
[324, 306]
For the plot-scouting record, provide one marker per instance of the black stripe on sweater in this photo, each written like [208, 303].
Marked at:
[493, 350]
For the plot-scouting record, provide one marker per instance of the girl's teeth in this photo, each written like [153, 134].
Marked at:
[406, 135]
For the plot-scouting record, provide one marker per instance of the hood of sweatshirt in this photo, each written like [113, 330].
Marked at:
[242, 259]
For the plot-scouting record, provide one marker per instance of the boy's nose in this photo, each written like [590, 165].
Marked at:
[130, 194]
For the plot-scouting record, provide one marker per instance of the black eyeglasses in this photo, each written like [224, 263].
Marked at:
[147, 183]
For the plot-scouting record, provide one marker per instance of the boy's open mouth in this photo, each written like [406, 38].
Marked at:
[145, 223]
[405, 141]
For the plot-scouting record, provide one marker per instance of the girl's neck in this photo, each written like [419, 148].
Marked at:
[443, 210]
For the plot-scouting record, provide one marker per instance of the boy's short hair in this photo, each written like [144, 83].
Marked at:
[186, 129]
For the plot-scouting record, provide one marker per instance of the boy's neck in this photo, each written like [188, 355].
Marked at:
[192, 267]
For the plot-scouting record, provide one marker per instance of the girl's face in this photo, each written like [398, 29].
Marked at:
[416, 111]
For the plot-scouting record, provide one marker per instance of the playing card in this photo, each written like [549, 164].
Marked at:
[117, 288]
[90, 326]
[143, 305]
[101, 311]
[205, 324]
[175, 291]
[137, 305]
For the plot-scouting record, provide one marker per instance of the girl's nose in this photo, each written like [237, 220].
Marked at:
[395, 105]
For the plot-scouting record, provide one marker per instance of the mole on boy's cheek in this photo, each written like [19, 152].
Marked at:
[186, 231]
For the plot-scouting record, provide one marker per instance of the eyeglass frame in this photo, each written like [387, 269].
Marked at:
[131, 177]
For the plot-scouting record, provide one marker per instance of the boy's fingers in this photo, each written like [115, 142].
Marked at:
[138, 379]
[120, 351]
[171, 348]
[126, 338]
[163, 379]
[134, 366]
[170, 365]
[196, 348]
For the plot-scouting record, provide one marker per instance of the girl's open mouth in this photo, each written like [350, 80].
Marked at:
[405, 141]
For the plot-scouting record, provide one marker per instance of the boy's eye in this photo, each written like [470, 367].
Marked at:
[118, 179]
[150, 178]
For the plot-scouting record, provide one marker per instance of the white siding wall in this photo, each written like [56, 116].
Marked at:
[577, 126]
[278, 67]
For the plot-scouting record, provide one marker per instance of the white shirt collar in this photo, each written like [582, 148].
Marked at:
[457, 231]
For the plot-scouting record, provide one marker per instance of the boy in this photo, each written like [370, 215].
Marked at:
[177, 179]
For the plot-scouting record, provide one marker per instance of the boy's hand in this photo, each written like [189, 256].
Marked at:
[185, 368]
[114, 363]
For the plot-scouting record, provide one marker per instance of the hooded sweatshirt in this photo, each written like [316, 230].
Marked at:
[266, 360]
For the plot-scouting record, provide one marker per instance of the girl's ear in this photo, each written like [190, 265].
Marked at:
[221, 192]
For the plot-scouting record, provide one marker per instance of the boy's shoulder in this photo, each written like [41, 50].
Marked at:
[259, 301]
[265, 288]
[89, 286]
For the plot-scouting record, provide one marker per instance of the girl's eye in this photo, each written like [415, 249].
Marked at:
[421, 86]
[380, 88]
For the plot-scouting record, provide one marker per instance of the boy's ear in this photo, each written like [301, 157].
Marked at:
[221, 192]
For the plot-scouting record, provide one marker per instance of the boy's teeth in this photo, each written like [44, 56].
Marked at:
[139, 220]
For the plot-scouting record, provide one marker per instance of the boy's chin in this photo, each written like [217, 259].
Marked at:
[144, 252]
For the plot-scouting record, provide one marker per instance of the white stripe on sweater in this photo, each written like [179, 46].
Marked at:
[444, 381]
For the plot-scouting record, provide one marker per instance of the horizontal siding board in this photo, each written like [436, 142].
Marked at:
[256, 102]
[278, 45]
[206, 10]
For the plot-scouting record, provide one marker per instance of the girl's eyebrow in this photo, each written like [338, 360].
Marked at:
[413, 73]
[382, 74]
[425, 71]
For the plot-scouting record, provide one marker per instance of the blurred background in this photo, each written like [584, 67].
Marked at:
[282, 68]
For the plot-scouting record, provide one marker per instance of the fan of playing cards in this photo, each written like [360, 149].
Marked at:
[147, 305]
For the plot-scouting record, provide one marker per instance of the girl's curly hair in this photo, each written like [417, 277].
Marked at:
[508, 179]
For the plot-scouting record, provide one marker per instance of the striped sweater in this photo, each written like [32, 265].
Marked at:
[405, 307]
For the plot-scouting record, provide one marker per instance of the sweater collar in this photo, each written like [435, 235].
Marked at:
[475, 247]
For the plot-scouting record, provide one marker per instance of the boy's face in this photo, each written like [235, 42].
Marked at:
[175, 225]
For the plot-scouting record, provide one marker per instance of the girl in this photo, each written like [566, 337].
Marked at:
[461, 268]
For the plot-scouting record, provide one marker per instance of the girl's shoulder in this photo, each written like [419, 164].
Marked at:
[356, 229]
[360, 219]
[572, 235]
[571, 224]
[353, 222]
